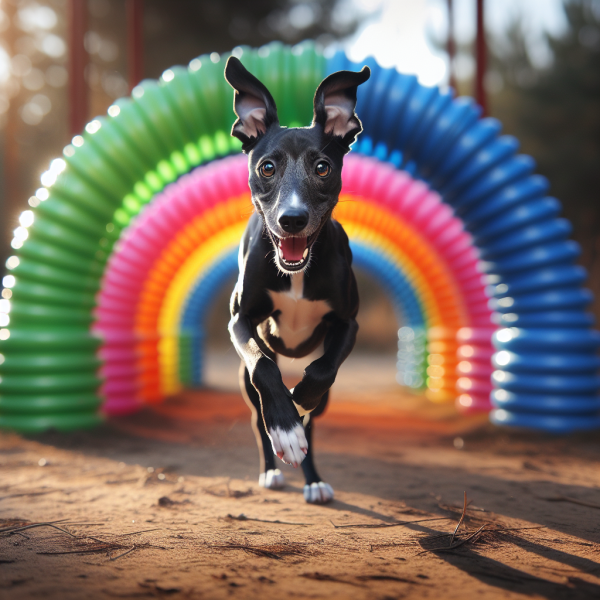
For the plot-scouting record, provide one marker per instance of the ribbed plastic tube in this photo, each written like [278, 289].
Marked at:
[474, 368]
[529, 260]
[172, 261]
[122, 161]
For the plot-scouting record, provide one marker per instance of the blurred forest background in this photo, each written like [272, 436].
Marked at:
[555, 114]
[554, 111]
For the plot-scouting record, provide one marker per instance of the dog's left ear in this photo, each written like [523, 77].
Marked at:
[334, 104]
[252, 103]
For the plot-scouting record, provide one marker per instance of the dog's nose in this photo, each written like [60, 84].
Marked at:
[293, 221]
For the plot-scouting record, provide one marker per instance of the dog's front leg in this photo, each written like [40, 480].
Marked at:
[280, 417]
[320, 375]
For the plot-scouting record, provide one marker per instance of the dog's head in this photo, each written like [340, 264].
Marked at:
[295, 173]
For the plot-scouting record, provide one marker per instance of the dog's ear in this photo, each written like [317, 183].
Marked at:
[252, 103]
[335, 101]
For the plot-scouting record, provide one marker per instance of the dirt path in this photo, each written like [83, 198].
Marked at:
[165, 504]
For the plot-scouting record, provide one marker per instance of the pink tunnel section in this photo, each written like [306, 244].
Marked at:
[129, 352]
[423, 209]
[126, 346]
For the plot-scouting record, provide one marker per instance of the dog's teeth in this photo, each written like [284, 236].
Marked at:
[305, 253]
[280, 253]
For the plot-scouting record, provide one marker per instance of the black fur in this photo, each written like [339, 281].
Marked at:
[295, 179]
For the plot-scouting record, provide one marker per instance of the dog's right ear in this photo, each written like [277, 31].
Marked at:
[252, 103]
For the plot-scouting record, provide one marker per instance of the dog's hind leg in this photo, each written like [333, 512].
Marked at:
[270, 476]
[316, 491]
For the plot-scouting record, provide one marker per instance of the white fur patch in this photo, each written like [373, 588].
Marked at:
[273, 479]
[299, 317]
[289, 446]
[318, 493]
[295, 201]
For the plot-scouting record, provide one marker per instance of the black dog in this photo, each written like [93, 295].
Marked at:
[296, 288]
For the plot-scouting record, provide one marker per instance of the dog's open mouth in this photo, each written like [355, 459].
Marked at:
[293, 252]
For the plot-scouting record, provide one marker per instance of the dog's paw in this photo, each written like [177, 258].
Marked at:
[318, 493]
[315, 382]
[290, 446]
[273, 479]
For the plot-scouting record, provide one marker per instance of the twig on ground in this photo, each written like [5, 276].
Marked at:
[474, 536]
[470, 538]
[123, 554]
[229, 493]
[464, 512]
[77, 523]
[568, 499]
[120, 535]
[101, 545]
[517, 528]
[243, 517]
[21, 521]
[119, 481]
[324, 577]
[91, 537]
[385, 578]
[136, 532]
[21, 494]
[250, 549]
[499, 529]
[81, 551]
[11, 531]
[275, 551]
[381, 525]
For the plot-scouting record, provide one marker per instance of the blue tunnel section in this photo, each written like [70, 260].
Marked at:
[197, 312]
[536, 287]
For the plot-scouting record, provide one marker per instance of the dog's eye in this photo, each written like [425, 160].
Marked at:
[323, 169]
[267, 169]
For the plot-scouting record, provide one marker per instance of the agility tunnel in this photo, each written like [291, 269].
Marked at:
[174, 258]
[115, 268]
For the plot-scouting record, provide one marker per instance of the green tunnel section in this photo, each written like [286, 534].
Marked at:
[48, 364]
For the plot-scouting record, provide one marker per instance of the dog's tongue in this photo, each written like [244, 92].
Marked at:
[293, 248]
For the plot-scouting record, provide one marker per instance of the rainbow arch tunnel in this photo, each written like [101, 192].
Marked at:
[198, 222]
[90, 275]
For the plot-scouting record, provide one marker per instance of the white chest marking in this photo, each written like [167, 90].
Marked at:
[299, 317]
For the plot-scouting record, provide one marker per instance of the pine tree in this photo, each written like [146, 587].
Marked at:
[555, 113]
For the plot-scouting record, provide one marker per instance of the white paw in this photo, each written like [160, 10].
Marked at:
[290, 446]
[318, 493]
[273, 479]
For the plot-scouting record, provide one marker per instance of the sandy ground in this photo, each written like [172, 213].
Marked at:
[165, 504]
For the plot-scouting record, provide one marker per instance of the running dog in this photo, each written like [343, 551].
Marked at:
[296, 290]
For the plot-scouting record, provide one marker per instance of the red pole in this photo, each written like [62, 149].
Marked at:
[450, 46]
[135, 42]
[481, 53]
[14, 195]
[78, 90]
